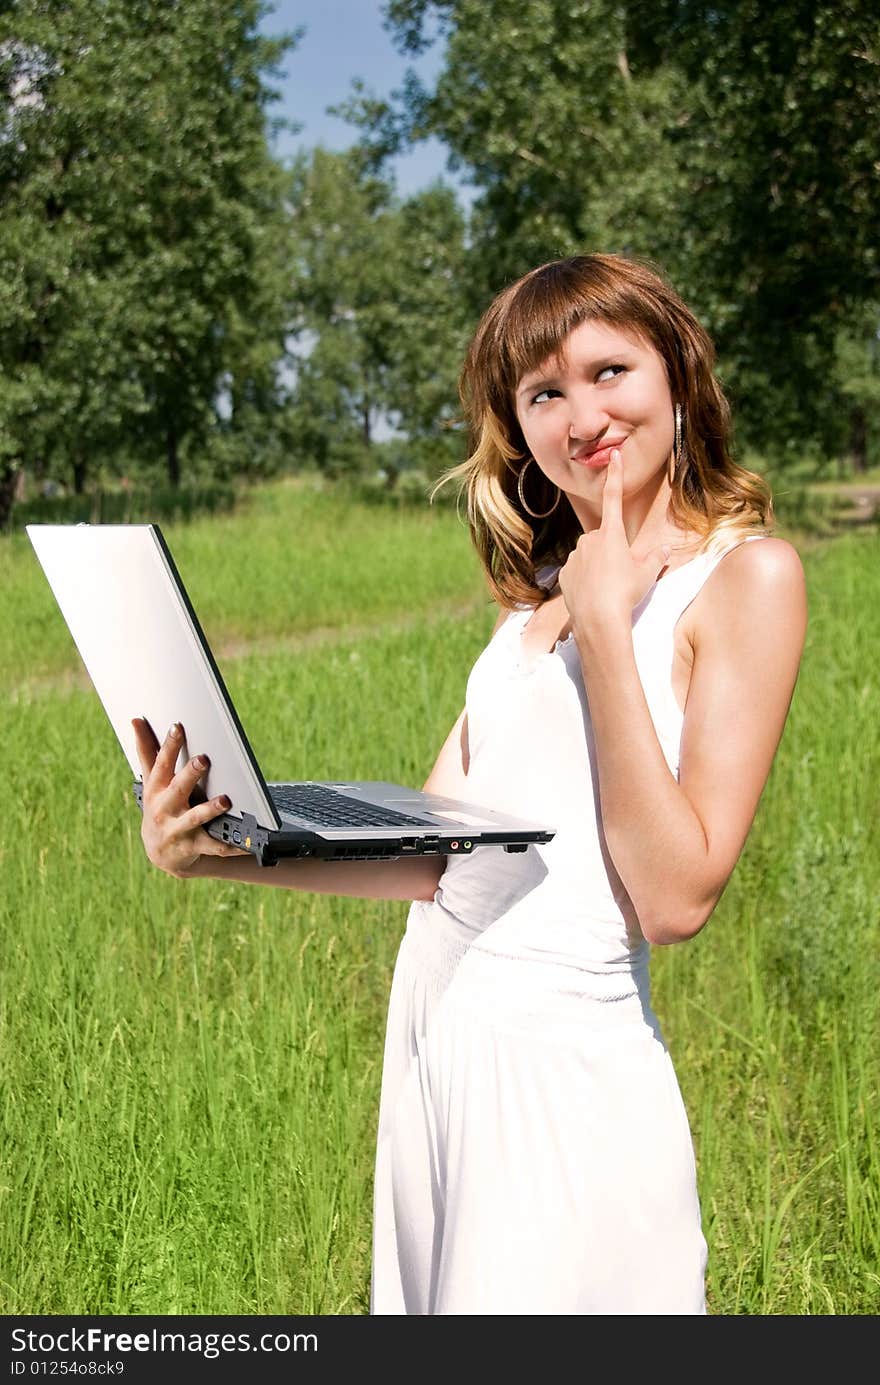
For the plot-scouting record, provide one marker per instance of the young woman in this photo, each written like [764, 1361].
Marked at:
[534, 1154]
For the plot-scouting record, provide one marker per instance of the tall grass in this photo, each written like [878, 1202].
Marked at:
[189, 1072]
[772, 1012]
[290, 561]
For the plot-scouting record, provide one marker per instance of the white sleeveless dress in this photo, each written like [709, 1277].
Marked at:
[534, 1155]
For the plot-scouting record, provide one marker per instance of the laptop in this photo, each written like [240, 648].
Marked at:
[146, 654]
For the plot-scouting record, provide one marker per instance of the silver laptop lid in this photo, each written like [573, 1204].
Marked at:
[139, 641]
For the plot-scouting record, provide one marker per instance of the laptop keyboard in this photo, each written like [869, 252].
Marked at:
[327, 808]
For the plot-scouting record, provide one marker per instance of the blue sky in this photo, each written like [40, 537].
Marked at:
[344, 39]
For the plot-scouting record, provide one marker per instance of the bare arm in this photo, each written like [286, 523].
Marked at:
[675, 843]
[407, 877]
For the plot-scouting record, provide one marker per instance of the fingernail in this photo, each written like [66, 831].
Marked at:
[615, 454]
[224, 801]
[174, 730]
[201, 761]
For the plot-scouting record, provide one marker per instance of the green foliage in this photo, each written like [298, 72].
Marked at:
[381, 320]
[133, 505]
[538, 105]
[857, 380]
[173, 302]
[796, 507]
[735, 145]
[783, 193]
[141, 250]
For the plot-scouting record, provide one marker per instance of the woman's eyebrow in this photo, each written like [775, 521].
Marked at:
[539, 377]
[552, 374]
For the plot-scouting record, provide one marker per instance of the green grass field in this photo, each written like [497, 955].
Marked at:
[189, 1071]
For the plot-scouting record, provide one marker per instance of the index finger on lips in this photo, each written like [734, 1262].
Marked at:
[612, 491]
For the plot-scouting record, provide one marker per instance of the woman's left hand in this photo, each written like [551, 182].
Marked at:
[601, 581]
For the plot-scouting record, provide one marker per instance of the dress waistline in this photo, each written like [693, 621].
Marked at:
[441, 942]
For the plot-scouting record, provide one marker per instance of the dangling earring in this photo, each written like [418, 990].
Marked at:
[526, 507]
[675, 454]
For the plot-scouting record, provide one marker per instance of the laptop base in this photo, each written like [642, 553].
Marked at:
[291, 843]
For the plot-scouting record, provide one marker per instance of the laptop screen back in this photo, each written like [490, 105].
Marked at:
[139, 641]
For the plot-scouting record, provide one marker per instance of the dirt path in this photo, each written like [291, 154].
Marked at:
[854, 505]
[863, 499]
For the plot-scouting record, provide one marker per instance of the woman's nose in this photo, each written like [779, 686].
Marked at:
[588, 419]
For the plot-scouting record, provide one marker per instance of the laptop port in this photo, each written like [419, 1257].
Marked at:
[408, 844]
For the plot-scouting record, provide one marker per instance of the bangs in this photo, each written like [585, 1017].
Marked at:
[533, 318]
[532, 329]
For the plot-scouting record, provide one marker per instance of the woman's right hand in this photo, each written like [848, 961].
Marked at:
[172, 832]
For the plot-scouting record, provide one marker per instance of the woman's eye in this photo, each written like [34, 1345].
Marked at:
[543, 395]
[610, 372]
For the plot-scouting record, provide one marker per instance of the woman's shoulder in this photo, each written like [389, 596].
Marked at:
[754, 584]
[771, 564]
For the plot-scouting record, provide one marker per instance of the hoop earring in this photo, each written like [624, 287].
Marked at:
[525, 505]
[676, 453]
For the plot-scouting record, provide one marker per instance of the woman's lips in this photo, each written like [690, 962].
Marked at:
[601, 457]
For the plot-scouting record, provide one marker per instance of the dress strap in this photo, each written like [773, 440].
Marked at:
[673, 593]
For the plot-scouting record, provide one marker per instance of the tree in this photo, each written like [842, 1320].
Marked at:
[380, 325]
[857, 381]
[735, 144]
[538, 106]
[141, 222]
[783, 160]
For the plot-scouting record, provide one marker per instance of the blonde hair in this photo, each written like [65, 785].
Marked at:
[525, 325]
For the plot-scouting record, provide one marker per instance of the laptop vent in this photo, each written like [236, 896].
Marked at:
[359, 853]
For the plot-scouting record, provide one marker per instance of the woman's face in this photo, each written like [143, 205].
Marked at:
[607, 389]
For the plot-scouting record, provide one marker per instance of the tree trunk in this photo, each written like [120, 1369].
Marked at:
[173, 456]
[79, 476]
[365, 420]
[858, 438]
[9, 474]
